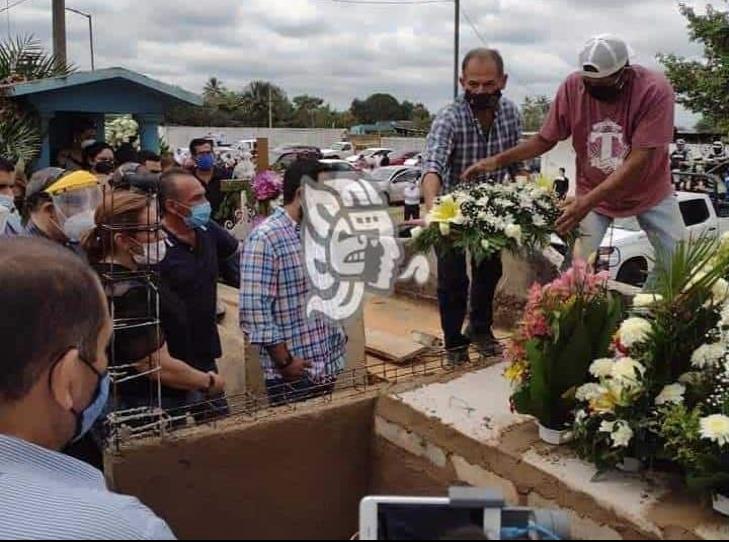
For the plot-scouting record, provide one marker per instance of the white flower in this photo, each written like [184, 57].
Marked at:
[627, 371]
[622, 434]
[707, 355]
[445, 228]
[538, 220]
[601, 368]
[416, 231]
[634, 331]
[715, 428]
[580, 416]
[646, 300]
[720, 291]
[513, 231]
[485, 244]
[590, 391]
[671, 395]
[607, 427]
[724, 322]
[689, 378]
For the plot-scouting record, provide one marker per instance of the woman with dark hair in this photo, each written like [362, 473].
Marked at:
[148, 342]
[99, 160]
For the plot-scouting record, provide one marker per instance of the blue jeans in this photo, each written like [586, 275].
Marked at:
[663, 224]
[281, 392]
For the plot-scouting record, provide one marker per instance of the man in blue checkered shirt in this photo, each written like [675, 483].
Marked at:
[301, 356]
[481, 123]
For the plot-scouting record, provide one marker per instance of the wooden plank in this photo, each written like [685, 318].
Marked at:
[391, 347]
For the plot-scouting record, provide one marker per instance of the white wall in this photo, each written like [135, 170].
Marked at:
[404, 143]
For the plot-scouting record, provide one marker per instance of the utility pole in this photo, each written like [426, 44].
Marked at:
[456, 39]
[270, 107]
[91, 32]
[59, 30]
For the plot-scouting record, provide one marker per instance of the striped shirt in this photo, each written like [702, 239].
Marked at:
[456, 141]
[273, 295]
[46, 495]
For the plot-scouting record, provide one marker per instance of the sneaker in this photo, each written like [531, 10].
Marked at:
[457, 356]
[485, 343]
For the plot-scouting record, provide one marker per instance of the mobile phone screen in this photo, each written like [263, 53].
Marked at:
[428, 522]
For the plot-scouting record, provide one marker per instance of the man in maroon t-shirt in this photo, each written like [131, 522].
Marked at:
[620, 118]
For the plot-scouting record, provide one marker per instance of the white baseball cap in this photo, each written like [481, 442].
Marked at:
[604, 55]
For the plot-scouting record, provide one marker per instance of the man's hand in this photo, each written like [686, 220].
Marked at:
[573, 213]
[295, 370]
[491, 163]
[218, 386]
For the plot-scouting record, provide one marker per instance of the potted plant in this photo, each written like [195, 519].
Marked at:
[566, 324]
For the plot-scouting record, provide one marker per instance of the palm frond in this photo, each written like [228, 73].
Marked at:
[23, 58]
[20, 138]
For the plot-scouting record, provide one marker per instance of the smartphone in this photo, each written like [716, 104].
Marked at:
[419, 518]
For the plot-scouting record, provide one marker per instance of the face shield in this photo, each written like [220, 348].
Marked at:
[75, 199]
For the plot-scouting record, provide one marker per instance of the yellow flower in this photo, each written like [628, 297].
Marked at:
[515, 372]
[446, 210]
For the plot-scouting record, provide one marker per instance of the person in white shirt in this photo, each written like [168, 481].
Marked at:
[412, 201]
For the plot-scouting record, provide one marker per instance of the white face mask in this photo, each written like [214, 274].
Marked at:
[77, 225]
[152, 253]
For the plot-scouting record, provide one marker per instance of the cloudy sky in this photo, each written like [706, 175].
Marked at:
[339, 50]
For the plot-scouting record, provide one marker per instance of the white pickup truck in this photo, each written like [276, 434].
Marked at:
[628, 255]
[339, 151]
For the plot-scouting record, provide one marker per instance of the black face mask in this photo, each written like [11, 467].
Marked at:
[104, 167]
[483, 102]
[607, 93]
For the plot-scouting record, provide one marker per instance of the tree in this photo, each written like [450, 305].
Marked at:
[706, 126]
[309, 112]
[702, 85]
[421, 117]
[377, 107]
[255, 104]
[23, 59]
[533, 112]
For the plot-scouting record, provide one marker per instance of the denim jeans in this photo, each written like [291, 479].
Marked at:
[663, 224]
[453, 295]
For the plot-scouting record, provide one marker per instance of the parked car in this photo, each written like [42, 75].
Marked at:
[342, 149]
[370, 154]
[337, 165]
[628, 255]
[392, 180]
[245, 145]
[398, 158]
[283, 157]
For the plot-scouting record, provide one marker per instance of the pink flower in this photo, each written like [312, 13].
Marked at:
[267, 185]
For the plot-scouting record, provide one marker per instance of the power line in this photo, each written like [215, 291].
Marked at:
[11, 6]
[473, 27]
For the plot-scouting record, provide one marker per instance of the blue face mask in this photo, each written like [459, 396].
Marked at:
[87, 417]
[13, 217]
[199, 216]
[205, 162]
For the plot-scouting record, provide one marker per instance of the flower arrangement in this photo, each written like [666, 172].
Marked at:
[120, 130]
[661, 361]
[566, 324]
[488, 217]
[267, 189]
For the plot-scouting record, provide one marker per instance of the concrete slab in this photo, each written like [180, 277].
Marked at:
[475, 404]
[627, 496]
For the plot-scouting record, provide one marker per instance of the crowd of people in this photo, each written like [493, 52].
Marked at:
[80, 239]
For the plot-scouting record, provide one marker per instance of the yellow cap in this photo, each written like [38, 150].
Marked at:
[72, 181]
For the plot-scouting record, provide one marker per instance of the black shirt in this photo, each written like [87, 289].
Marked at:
[213, 190]
[136, 335]
[192, 275]
[678, 158]
[561, 186]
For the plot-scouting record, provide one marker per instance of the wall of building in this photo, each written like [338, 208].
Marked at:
[297, 476]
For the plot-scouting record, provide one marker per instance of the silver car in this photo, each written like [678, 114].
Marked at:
[392, 180]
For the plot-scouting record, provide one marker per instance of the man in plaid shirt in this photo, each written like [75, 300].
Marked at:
[301, 355]
[481, 123]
